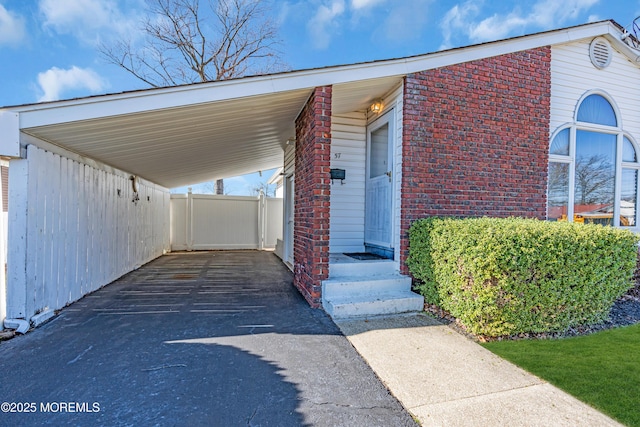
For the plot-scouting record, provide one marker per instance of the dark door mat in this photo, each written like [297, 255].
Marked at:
[364, 256]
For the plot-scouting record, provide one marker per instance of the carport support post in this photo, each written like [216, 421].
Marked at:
[10, 147]
[17, 253]
[312, 195]
[3, 279]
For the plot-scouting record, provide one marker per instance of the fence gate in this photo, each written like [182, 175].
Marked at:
[205, 222]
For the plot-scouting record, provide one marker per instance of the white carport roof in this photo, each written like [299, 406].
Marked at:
[182, 135]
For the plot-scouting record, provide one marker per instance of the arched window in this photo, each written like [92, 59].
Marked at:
[596, 109]
[593, 168]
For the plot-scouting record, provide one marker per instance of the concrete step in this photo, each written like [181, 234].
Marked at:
[362, 268]
[373, 305]
[344, 287]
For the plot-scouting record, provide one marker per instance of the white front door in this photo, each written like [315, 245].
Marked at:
[379, 183]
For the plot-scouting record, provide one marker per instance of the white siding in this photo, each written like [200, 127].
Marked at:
[71, 232]
[348, 152]
[572, 75]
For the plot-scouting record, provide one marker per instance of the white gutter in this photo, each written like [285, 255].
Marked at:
[20, 325]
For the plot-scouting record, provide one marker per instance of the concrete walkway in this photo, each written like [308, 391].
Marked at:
[198, 339]
[445, 379]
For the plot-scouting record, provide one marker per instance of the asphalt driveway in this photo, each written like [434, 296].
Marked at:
[208, 338]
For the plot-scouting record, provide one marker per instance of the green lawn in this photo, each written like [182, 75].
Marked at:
[602, 369]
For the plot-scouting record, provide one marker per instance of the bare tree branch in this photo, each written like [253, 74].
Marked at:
[187, 41]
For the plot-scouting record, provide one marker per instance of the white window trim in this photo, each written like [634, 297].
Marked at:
[620, 165]
[606, 96]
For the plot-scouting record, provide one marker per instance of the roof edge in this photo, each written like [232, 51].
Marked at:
[175, 96]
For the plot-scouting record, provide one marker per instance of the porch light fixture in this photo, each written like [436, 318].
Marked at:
[376, 107]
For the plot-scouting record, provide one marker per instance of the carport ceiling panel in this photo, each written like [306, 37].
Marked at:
[235, 161]
[213, 156]
[185, 122]
[184, 145]
[154, 128]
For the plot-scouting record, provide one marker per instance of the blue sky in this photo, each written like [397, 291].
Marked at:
[48, 47]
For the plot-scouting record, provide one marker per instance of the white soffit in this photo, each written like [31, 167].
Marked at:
[359, 95]
[181, 146]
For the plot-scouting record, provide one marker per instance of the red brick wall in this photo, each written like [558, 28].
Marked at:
[312, 193]
[475, 139]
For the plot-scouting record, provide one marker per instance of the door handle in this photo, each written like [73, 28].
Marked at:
[388, 173]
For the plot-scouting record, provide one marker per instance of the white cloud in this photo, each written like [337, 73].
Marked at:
[88, 20]
[383, 19]
[55, 81]
[323, 24]
[455, 20]
[551, 13]
[363, 4]
[496, 27]
[12, 28]
[543, 15]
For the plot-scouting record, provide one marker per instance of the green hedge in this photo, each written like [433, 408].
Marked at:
[508, 276]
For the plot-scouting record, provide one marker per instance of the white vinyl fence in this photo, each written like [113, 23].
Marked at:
[76, 225]
[206, 222]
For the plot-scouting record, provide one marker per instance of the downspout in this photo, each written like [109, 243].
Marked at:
[20, 325]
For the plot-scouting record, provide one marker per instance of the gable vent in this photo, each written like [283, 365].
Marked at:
[600, 53]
